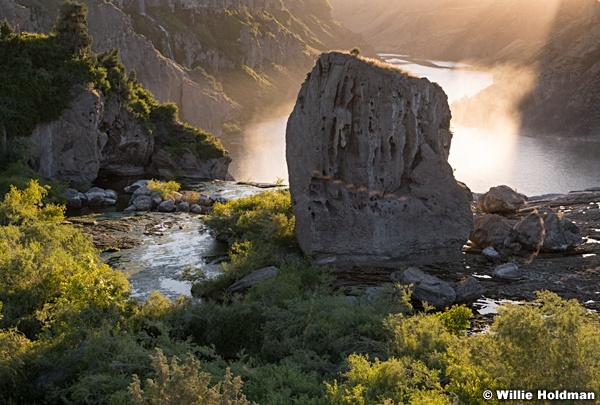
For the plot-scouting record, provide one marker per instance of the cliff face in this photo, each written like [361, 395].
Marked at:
[367, 149]
[94, 135]
[207, 56]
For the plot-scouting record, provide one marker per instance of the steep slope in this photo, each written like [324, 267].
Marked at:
[211, 56]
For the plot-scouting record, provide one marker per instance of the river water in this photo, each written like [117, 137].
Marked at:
[480, 158]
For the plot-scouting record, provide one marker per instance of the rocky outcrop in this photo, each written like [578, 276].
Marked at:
[71, 148]
[187, 163]
[93, 135]
[200, 101]
[367, 149]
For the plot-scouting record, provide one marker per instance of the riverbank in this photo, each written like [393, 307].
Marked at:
[157, 247]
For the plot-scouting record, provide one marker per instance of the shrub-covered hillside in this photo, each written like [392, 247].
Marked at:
[41, 74]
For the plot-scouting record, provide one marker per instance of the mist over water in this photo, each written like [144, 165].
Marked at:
[486, 151]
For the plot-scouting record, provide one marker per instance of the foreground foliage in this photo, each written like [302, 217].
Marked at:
[70, 333]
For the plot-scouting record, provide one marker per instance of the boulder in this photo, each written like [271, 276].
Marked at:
[508, 271]
[110, 194]
[73, 200]
[143, 203]
[256, 277]
[166, 206]
[195, 209]
[109, 202]
[134, 186]
[501, 200]
[183, 206]
[491, 253]
[95, 196]
[468, 291]
[492, 230]
[434, 291]
[530, 232]
[560, 234]
[367, 150]
[156, 199]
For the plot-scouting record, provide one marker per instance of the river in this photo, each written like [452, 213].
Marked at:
[480, 158]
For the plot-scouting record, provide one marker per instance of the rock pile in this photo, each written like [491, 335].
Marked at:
[144, 199]
[541, 230]
[94, 197]
[367, 149]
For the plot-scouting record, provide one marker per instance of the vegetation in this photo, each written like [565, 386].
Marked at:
[40, 76]
[70, 333]
[166, 189]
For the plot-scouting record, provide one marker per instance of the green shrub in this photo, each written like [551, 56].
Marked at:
[166, 189]
[394, 381]
[544, 344]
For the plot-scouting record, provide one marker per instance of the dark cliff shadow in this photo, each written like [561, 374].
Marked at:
[565, 98]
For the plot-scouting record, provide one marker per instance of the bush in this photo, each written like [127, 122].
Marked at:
[544, 344]
[184, 384]
[166, 189]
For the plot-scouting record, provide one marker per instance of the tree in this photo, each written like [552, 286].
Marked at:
[355, 51]
[71, 31]
[6, 30]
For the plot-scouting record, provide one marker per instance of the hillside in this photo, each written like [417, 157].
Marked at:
[555, 40]
[219, 64]
[68, 113]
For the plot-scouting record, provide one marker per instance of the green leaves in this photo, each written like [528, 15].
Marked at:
[25, 206]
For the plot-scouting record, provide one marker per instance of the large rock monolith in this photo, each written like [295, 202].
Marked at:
[367, 150]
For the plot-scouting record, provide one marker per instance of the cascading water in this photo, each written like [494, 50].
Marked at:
[142, 7]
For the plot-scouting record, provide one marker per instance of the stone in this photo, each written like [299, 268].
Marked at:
[134, 186]
[252, 279]
[95, 196]
[166, 206]
[530, 232]
[143, 203]
[501, 200]
[468, 291]
[111, 194]
[491, 253]
[508, 271]
[73, 200]
[560, 234]
[367, 150]
[195, 209]
[156, 199]
[492, 230]
[131, 208]
[109, 202]
[183, 206]
[83, 198]
[205, 200]
[434, 291]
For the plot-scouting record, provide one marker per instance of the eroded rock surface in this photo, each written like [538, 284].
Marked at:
[367, 149]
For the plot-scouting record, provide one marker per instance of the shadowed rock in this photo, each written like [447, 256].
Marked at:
[501, 200]
[367, 149]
